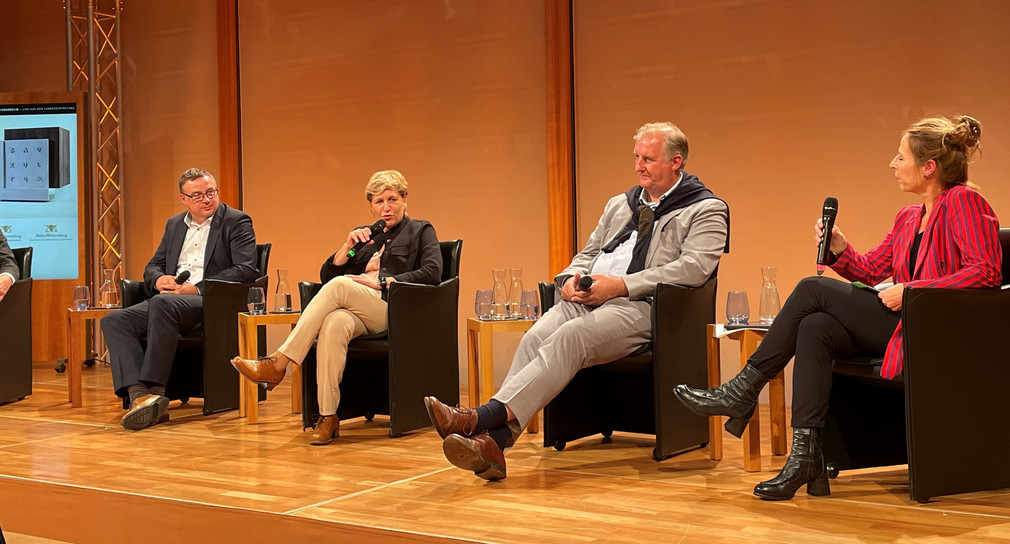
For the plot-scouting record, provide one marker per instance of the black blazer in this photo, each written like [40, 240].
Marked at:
[412, 255]
[7, 262]
[230, 254]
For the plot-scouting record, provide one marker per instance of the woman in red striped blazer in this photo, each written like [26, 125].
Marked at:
[950, 240]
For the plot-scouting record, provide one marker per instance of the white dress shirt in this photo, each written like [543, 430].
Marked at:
[194, 247]
[616, 262]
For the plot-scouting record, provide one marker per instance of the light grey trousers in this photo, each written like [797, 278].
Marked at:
[566, 339]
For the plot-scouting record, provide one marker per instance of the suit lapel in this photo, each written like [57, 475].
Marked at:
[175, 248]
[216, 225]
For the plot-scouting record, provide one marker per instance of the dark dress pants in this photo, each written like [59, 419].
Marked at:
[822, 320]
[160, 318]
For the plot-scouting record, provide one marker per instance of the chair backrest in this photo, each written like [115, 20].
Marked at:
[1004, 240]
[23, 256]
[450, 258]
[263, 259]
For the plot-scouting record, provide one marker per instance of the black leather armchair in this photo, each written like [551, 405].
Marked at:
[202, 369]
[392, 372]
[939, 415]
[634, 394]
[16, 324]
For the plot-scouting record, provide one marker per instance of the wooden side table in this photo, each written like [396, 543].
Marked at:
[748, 339]
[248, 404]
[480, 359]
[77, 348]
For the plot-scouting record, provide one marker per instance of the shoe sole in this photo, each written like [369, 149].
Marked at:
[457, 450]
[148, 415]
[431, 416]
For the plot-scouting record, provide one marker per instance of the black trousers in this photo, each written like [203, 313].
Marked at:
[160, 318]
[822, 320]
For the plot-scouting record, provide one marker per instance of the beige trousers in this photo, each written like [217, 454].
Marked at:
[343, 310]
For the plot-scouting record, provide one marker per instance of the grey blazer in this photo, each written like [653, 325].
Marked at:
[685, 249]
[7, 262]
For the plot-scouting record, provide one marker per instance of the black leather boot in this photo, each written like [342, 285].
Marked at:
[736, 398]
[804, 466]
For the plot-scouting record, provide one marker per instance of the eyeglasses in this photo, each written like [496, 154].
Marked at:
[209, 195]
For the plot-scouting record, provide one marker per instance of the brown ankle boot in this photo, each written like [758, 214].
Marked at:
[326, 430]
[262, 371]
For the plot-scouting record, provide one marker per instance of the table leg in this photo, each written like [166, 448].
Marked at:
[248, 390]
[473, 375]
[777, 419]
[714, 379]
[486, 359]
[75, 359]
[752, 434]
[296, 388]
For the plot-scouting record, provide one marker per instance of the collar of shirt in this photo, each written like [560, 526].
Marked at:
[653, 205]
[188, 220]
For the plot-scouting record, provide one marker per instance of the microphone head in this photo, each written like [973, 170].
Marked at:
[830, 207]
[377, 226]
[585, 282]
[182, 277]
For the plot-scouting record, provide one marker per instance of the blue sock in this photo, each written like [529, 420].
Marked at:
[501, 435]
[490, 415]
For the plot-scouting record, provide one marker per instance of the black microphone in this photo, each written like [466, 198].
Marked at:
[828, 218]
[182, 277]
[376, 228]
[585, 282]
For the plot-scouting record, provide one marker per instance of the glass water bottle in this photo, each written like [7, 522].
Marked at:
[770, 306]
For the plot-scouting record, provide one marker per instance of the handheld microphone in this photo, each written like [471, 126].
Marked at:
[828, 218]
[585, 282]
[182, 277]
[376, 228]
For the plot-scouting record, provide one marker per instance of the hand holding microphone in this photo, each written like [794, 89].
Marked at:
[363, 241]
[829, 238]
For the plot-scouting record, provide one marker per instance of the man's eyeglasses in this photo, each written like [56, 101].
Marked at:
[209, 195]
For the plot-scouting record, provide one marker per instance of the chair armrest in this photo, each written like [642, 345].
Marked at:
[133, 291]
[547, 295]
[307, 290]
[679, 334]
[956, 381]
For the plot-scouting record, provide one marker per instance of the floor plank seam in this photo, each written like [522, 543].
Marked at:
[366, 491]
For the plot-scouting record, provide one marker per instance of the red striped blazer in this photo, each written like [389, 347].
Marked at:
[959, 249]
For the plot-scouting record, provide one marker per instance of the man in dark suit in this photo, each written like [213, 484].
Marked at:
[210, 240]
[9, 271]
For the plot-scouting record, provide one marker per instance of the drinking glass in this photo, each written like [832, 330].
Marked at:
[737, 310]
[482, 304]
[531, 305]
[82, 297]
[257, 302]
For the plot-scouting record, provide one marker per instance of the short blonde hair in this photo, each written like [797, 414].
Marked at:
[674, 141]
[384, 180]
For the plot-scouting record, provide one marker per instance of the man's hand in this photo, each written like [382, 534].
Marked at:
[5, 285]
[568, 289]
[891, 297]
[186, 289]
[166, 284]
[604, 288]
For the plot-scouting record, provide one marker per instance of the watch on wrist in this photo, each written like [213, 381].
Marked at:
[382, 284]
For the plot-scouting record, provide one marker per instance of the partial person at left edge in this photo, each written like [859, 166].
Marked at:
[9, 271]
[211, 241]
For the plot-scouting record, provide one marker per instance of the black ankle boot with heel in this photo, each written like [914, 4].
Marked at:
[805, 466]
[736, 398]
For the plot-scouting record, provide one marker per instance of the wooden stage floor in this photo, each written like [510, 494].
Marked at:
[74, 475]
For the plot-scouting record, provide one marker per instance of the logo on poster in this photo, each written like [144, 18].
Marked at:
[51, 228]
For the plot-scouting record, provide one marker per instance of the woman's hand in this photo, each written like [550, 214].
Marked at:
[838, 241]
[353, 237]
[366, 279]
[891, 297]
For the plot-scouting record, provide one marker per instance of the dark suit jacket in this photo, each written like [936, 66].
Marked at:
[411, 255]
[230, 254]
[7, 262]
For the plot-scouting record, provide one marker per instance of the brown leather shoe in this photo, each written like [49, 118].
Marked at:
[480, 454]
[261, 371]
[326, 430]
[146, 411]
[448, 420]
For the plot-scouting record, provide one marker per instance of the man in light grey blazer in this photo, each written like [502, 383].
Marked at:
[667, 229]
